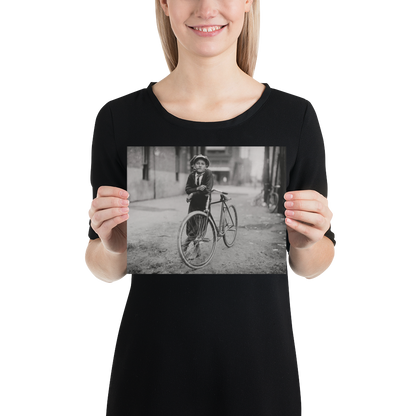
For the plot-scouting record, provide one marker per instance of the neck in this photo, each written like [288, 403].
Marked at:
[203, 78]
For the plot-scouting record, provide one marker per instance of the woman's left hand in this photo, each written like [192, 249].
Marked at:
[308, 217]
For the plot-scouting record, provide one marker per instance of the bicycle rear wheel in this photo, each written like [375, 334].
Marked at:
[230, 225]
[257, 199]
[197, 239]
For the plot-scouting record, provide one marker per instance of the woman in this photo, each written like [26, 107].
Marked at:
[208, 345]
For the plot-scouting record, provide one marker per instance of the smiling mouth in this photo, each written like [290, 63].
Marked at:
[207, 29]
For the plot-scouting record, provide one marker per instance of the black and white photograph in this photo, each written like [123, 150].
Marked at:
[206, 209]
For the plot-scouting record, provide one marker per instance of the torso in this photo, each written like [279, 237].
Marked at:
[215, 111]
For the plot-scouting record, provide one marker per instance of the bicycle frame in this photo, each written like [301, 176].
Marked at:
[222, 201]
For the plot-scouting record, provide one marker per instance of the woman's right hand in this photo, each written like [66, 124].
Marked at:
[108, 214]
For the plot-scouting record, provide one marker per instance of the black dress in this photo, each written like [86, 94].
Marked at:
[207, 345]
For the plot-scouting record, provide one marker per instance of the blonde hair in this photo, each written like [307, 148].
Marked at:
[247, 44]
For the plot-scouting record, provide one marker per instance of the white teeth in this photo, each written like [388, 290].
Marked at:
[210, 29]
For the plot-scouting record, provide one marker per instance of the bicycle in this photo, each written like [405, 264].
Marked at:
[272, 199]
[198, 233]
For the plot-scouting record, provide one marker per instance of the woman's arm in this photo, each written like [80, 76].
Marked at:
[106, 266]
[313, 261]
[308, 218]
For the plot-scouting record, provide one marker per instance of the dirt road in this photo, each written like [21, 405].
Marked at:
[153, 228]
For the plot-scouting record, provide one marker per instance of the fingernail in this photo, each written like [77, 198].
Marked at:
[125, 202]
[288, 196]
[124, 194]
[289, 204]
[290, 213]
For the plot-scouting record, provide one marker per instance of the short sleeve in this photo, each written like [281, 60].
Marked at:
[107, 168]
[309, 170]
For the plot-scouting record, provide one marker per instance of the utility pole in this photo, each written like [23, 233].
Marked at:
[272, 168]
[266, 172]
[281, 178]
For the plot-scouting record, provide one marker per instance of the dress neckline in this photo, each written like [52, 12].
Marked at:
[209, 124]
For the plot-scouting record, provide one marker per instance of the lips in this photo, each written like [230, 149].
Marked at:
[207, 28]
[212, 24]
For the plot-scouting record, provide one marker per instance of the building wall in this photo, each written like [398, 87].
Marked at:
[163, 179]
[227, 157]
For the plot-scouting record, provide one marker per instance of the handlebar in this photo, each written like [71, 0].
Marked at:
[225, 198]
[217, 190]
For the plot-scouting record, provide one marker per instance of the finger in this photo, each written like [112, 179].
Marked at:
[310, 218]
[104, 231]
[106, 214]
[108, 202]
[112, 191]
[307, 194]
[306, 205]
[312, 233]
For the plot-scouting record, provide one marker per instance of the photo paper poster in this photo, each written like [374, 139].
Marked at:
[206, 210]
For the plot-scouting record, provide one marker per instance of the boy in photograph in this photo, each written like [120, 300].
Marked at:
[198, 186]
[199, 183]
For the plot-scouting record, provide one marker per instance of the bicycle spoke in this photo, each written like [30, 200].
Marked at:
[197, 240]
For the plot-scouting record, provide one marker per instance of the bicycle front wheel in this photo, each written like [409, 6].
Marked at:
[230, 222]
[273, 201]
[197, 239]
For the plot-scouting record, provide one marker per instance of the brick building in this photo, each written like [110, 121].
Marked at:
[157, 171]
